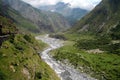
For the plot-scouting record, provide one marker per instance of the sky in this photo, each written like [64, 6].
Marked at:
[84, 4]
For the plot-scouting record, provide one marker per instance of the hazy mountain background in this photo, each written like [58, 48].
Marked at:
[65, 9]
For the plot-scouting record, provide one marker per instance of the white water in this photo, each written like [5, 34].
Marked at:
[63, 71]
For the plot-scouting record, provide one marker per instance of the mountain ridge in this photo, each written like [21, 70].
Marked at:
[35, 17]
[71, 14]
[101, 19]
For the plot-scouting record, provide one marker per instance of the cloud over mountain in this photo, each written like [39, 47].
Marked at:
[84, 4]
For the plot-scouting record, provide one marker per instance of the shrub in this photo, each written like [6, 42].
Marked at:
[115, 32]
[86, 44]
[101, 42]
[28, 38]
[58, 36]
[2, 76]
[38, 75]
[114, 48]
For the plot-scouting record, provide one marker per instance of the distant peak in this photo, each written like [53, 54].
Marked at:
[63, 4]
[60, 3]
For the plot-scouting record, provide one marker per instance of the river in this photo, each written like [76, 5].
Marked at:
[65, 72]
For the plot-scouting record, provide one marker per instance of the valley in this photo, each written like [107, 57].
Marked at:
[59, 40]
[65, 72]
[87, 57]
[72, 15]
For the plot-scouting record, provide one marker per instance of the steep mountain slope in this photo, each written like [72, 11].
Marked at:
[37, 19]
[18, 55]
[59, 23]
[71, 14]
[24, 24]
[105, 16]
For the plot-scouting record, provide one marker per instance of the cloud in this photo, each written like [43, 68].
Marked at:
[37, 3]
[84, 4]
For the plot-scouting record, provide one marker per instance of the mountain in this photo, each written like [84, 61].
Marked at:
[59, 23]
[19, 59]
[105, 16]
[71, 14]
[34, 20]
[20, 21]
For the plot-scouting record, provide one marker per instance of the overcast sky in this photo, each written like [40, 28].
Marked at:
[84, 4]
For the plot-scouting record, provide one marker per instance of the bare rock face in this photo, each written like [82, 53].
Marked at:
[12, 68]
[26, 73]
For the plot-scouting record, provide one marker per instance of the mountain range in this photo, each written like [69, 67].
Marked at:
[33, 19]
[65, 9]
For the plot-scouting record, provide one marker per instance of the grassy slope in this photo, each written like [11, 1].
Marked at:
[104, 65]
[101, 66]
[19, 54]
[101, 19]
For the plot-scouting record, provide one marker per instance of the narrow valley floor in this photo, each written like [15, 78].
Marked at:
[64, 72]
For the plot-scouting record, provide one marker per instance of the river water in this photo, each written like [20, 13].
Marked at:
[65, 72]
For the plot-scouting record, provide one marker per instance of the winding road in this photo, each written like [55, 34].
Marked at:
[63, 71]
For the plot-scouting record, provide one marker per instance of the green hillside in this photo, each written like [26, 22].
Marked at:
[105, 16]
[19, 58]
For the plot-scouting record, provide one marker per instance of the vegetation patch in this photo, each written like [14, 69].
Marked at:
[19, 60]
[100, 66]
[80, 51]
